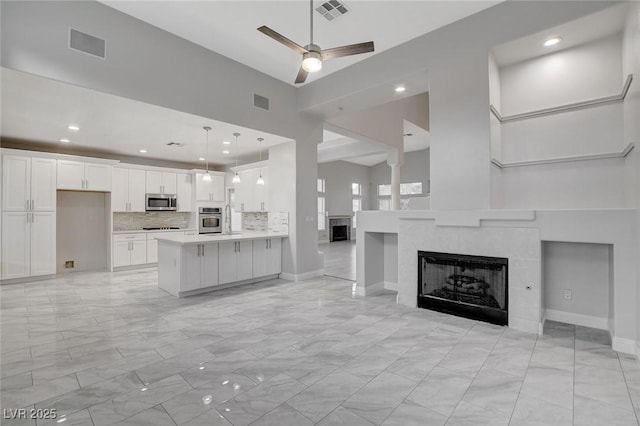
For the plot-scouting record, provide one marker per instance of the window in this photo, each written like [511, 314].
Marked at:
[321, 206]
[356, 204]
[407, 191]
[321, 216]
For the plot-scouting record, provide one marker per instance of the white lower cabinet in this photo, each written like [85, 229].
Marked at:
[129, 249]
[200, 266]
[267, 257]
[236, 261]
[29, 242]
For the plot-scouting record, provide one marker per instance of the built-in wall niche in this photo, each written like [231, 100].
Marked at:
[557, 132]
[577, 283]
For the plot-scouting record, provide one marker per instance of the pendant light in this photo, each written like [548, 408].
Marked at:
[207, 175]
[236, 178]
[260, 181]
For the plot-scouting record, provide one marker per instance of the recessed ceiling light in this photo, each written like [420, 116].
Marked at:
[226, 142]
[225, 152]
[201, 158]
[400, 89]
[552, 41]
[73, 127]
[143, 151]
[65, 140]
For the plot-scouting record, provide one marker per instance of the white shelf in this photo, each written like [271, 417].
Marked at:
[570, 159]
[565, 108]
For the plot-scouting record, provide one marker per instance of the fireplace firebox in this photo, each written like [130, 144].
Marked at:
[340, 233]
[473, 287]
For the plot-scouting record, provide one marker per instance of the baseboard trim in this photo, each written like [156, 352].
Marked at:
[626, 346]
[303, 276]
[388, 285]
[224, 286]
[27, 279]
[371, 289]
[541, 323]
[577, 319]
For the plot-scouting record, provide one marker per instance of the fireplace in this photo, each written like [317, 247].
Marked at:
[474, 287]
[339, 228]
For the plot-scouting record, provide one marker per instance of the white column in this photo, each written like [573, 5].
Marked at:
[395, 160]
[395, 186]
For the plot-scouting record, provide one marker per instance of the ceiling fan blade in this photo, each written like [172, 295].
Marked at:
[282, 39]
[352, 49]
[302, 76]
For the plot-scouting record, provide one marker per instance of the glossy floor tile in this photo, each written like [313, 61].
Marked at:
[110, 348]
[339, 259]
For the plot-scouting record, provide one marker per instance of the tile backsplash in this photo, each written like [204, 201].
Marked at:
[266, 221]
[254, 221]
[137, 221]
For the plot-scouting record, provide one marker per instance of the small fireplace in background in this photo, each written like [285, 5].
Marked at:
[339, 228]
[469, 286]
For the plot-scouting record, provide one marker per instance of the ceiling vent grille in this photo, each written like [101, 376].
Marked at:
[332, 9]
[176, 144]
[87, 43]
[260, 102]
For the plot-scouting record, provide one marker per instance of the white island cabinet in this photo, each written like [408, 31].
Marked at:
[191, 264]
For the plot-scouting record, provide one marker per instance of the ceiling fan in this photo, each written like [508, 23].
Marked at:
[312, 54]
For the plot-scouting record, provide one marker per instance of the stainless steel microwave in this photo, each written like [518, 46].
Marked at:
[162, 202]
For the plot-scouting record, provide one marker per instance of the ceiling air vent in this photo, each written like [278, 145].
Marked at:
[87, 43]
[260, 102]
[332, 9]
[176, 144]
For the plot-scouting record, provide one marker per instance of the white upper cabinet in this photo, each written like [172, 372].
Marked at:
[251, 197]
[78, 175]
[184, 191]
[28, 183]
[128, 193]
[210, 191]
[161, 182]
[16, 179]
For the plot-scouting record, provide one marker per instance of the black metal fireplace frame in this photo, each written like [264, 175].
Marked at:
[466, 310]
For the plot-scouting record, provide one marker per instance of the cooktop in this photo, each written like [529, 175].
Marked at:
[157, 228]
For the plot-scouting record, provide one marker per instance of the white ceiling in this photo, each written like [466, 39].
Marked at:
[229, 27]
[584, 30]
[337, 147]
[39, 110]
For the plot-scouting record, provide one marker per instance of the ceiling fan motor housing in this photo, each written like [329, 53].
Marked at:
[312, 60]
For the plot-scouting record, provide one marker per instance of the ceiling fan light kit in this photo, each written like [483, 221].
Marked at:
[312, 54]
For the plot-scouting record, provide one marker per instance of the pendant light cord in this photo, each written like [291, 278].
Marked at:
[206, 158]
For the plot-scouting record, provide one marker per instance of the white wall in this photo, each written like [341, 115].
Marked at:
[81, 230]
[391, 261]
[552, 80]
[582, 268]
[495, 130]
[631, 64]
[416, 168]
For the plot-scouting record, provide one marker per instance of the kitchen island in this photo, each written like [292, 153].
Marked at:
[192, 264]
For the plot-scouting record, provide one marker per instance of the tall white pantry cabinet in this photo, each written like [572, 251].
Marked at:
[28, 216]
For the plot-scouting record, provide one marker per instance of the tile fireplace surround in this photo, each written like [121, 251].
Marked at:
[516, 235]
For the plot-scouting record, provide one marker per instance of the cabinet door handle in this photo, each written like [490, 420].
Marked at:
[203, 250]
[33, 218]
[198, 250]
[266, 243]
[27, 217]
[32, 204]
[27, 205]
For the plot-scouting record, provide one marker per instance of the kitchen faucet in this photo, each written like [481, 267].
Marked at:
[227, 219]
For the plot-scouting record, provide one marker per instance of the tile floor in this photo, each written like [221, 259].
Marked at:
[106, 348]
[340, 259]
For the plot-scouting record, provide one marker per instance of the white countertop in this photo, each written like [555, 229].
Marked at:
[146, 231]
[214, 238]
